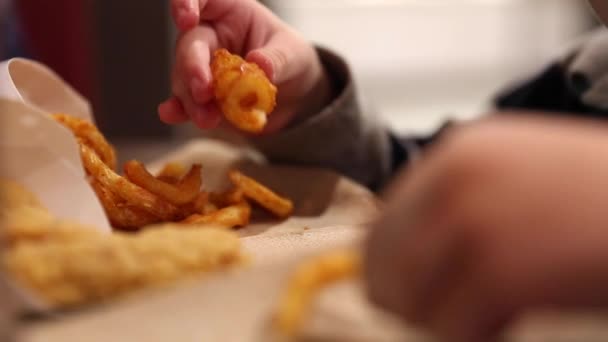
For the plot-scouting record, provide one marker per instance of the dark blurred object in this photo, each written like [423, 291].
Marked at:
[12, 45]
[5, 27]
[547, 92]
[58, 34]
[134, 57]
[115, 53]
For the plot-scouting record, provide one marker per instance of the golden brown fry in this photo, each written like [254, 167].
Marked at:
[67, 264]
[90, 135]
[120, 214]
[308, 279]
[209, 208]
[134, 195]
[280, 206]
[230, 217]
[198, 206]
[171, 173]
[243, 92]
[140, 198]
[14, 195]
[25, 219]
[33, 226]
[23, 223]
[21, 213]
[68, 270]
[227, 198]
[185, 191]
[200, 203]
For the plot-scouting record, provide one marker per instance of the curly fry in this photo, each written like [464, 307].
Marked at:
[307, 280]
[280, 206]
[138, 199]
[171, 173]
[243, 92]
[133, 194]
[183, 192]
[209, 208]
[197, 206]
[230, 217]
[90, 135]
[227, 198]
[121, 214]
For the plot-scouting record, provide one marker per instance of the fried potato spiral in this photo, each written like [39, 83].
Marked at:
[243, 92]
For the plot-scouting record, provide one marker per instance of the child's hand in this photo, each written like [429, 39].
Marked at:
[501, 217]
[247, 28]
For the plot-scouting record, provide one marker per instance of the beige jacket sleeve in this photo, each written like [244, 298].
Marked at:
[342, 137]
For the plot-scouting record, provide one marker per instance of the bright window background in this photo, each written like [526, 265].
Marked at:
[422, 61]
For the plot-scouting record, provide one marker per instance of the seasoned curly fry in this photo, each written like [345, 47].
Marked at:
[230, 217]
[185, 191]
[227, 198]
[131, 193]
[175, 194]
[209, 208]
[281, 207]
[243, 92]
[88, 134]
[121, 214]
[198, 206]
[171, 173]
[307, 280]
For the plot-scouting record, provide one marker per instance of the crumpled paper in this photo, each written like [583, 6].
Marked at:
[40, 153]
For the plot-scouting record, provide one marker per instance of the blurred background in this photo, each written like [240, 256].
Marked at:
[421, 61]
[417, 61]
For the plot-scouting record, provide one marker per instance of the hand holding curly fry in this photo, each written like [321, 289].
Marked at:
[247, 29]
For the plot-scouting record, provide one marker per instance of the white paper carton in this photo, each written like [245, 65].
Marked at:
[38, 152]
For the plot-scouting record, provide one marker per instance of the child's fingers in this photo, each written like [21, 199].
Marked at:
[180, 91]
[185, 13]
[189, 13]
[207, 117]
[211, 10]
[192, 62]
[172, 111]
[201, 115]
[281, 59]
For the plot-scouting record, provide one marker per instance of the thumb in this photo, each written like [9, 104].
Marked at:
[281, 59]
